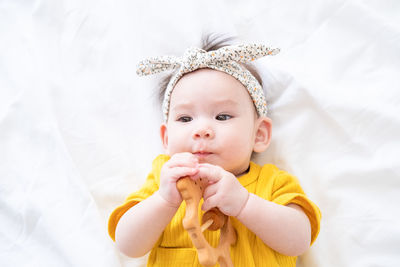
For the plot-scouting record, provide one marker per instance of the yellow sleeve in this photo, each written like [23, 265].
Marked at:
[286, 189]
[150, 186]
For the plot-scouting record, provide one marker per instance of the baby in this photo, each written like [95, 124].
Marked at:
[215, 118]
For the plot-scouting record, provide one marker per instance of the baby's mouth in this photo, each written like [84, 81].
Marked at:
[202, 154]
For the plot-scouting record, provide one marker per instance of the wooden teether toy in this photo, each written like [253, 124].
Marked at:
[192, 192]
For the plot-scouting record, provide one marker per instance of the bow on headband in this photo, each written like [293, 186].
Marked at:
[226, 59]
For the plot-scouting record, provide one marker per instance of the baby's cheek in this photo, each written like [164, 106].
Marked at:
[179, 144]
[236, 141]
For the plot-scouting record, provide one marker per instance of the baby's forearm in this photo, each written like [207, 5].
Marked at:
[141, 226]
[286, 229]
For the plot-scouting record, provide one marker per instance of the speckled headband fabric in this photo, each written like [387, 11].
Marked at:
[226, 59]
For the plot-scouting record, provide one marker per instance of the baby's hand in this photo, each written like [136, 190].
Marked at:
[179, 166]
[224, 191]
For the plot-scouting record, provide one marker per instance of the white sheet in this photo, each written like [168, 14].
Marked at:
[78, 128]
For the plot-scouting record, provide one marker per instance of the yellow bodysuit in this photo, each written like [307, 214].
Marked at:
[174, 247]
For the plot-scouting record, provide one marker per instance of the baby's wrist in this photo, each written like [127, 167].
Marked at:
[244, 204]
[165, 201]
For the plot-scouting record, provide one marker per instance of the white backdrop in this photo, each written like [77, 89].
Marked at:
[78, 128]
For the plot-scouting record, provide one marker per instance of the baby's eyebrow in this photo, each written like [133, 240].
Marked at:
[226, 102]
[181, 106]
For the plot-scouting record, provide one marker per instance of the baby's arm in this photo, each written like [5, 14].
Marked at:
[140, 227]
[286, 229]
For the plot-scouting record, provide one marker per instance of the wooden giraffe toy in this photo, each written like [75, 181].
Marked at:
[192, 192]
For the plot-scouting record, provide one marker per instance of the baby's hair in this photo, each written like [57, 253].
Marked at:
[210, 42]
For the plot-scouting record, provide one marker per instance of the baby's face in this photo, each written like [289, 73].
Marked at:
[212, 116]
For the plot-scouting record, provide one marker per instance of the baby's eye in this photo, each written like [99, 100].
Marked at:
[185, 119]
[223, 117]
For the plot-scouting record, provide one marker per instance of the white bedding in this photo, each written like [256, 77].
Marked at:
[78, 128]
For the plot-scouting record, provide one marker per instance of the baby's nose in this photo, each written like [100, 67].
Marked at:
[204, 133]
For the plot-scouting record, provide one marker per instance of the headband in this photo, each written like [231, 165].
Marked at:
[226, 59]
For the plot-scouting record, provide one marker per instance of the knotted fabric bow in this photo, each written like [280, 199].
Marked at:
[226, 59]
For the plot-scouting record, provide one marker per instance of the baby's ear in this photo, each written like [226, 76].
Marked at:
[263, 134]
[164, 135]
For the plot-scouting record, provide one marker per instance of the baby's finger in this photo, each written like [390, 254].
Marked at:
[179, 172]
[209, 203]
[211, 172]
[185, 159]
[210, 191]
